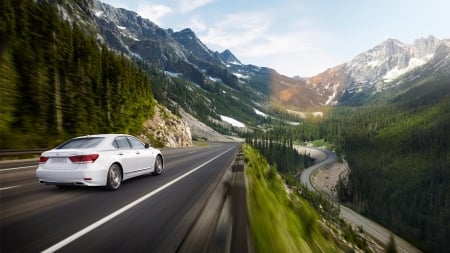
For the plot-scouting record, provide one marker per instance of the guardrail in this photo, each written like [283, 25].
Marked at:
[223, 226]
[20, 152]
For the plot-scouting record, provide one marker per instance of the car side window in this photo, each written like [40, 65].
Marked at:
[135, 143]
[121, 143]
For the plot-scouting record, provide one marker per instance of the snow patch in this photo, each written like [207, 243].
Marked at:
[260, 113]
[317, 114]
[330, 98]
[241, 76]
[214, 79]
[299, 114]
[374, 63]
[136, 55]
[98, 14]
[413, 63]
[231, 121]
[172, 74]
[121, 27]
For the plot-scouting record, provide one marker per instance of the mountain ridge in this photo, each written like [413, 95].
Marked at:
[356, 81]
[369, 72]
[377, 69]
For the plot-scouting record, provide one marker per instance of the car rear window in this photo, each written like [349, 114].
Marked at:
[78, 143]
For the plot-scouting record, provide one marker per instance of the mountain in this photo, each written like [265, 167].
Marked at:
[182, 55]
[382, 68]
[228, 57]
[183, 52]
[364, 76]
[177, 52]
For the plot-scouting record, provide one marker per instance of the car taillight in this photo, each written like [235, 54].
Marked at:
[84, 158]
[43, 159]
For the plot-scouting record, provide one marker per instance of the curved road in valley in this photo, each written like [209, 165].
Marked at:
[147, 214]
[373, 229]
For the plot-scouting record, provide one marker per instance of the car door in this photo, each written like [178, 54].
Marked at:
[126, 155]
[144, 156]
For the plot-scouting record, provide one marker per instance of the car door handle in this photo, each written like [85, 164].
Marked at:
[137, 153]
[120, 153]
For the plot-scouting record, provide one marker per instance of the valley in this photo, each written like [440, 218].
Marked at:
[70, 68]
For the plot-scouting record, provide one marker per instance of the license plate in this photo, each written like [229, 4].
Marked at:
[58, 160]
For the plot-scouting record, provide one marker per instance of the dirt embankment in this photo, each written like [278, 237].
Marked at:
[326, 179]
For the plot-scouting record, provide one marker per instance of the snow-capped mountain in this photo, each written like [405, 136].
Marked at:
[184, 55]
[377, 69]
[176, 52]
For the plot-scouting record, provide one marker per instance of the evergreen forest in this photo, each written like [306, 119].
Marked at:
[57, 81]
[398, 153]
[282, 154]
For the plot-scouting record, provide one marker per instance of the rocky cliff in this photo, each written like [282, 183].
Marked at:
[167, 130]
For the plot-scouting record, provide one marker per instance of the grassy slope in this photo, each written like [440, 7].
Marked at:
[280, 221]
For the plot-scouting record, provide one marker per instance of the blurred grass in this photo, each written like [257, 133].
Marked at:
[280, 221]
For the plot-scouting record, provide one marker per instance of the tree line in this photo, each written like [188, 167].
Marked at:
[282, 154]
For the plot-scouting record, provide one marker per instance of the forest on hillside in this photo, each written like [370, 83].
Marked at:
[281, 154]
[57, 81]
[398, 153]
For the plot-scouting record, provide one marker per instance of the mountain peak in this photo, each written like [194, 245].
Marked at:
[376, 70]
[228, 57]
[187, 31]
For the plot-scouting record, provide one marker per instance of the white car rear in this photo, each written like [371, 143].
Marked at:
[98, 160]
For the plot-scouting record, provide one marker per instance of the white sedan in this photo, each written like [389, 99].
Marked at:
[98, 160]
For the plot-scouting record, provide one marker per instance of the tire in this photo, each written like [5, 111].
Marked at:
[158, 166]
[114, 178]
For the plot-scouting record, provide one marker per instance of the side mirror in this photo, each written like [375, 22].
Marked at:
[147, 145]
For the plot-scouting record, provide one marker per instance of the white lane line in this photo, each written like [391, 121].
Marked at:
[6, 188]
[113, 215]
[20, 168]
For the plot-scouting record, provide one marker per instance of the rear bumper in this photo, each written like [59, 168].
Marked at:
[81, 177]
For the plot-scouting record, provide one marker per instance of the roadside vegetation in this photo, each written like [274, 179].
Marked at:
[280, 221]
[284, 216]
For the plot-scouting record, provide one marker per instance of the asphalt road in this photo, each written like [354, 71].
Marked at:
[372, 228]
[147, 214]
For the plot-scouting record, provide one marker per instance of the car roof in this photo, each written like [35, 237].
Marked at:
[103, 135]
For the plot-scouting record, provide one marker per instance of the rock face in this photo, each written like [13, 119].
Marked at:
[167, 130]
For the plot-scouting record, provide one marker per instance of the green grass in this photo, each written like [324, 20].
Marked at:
[322, 143]
[280, 221]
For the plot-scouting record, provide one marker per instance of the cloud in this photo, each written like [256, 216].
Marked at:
[154, 12]
[275, 44]
[292, 48]
[190, 5]
[197, 24]
[234, 30]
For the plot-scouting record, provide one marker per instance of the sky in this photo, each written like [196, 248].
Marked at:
[297, 37]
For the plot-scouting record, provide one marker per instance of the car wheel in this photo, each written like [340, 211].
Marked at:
[158, 166]
[114, 179]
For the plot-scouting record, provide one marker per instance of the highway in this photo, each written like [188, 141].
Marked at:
[147, 214]
[373, 229]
